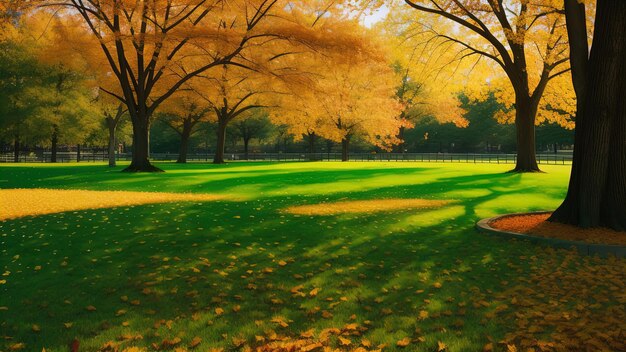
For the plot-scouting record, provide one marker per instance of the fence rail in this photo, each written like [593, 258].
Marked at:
[494, 158]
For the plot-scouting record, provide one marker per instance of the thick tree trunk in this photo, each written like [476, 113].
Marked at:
[78, 153]
[597, 189]
[184, 143]
[55, 142]
[16, 149]
[246, 143]
[345, 149]
[112, 127]
[140, 161]
[221, 142]
[525, 114]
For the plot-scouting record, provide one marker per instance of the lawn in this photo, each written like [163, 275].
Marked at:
[244, 270]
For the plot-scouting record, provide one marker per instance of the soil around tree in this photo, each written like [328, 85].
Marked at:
[537, 225]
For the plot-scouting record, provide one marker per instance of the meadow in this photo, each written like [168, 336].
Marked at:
[307, 256]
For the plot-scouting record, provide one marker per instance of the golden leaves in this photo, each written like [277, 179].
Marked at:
[24, 202]
[365, 206]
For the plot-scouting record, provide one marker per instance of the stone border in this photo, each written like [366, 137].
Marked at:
[602, 250]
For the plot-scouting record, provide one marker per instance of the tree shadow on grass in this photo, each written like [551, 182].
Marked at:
[226, 271]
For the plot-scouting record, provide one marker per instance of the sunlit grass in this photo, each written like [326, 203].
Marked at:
[225, 270]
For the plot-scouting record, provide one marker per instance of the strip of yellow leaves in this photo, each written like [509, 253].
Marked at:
[365, 206]
[15, 203]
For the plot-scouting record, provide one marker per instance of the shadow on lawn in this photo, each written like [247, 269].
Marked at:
[168, 270]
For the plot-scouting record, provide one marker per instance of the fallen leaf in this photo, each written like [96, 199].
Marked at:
[404, 342]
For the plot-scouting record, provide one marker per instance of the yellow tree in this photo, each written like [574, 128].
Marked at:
[348, 99]
[525, 40]
[154, 47]
[182, 113]
[230, 95]
[419, 90]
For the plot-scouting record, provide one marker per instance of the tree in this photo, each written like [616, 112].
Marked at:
[112, 119]
[152, 49]
[597, 190]
[182, 114]
[525, 39]
[257, 125]
[235, 92]
[19, 71]
[348, 99]
[45, 101]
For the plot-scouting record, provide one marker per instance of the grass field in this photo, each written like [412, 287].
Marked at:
[244, 271]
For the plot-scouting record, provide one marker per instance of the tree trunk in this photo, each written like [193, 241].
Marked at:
[525, 113]
[184, 143]
[141, 135]
[16, 149]
[345, 149]
[246, 142]
[78, 153]
[312, 146]
[112, 127]
[55, 141]
[221, 142]
[597, 188]
[399, 148]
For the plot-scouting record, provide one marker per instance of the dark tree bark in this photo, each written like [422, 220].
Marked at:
[184, 141]
[246, 143]
[112, 123]
[345, 149]
[55, 142]
[78, 153]
[16, 149]
[597, 190]
[140, 160]
[111, 126]
[525, 113]
[221, 142]
[399, 148]
[312, 139]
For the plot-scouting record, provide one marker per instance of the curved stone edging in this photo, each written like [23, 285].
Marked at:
[603, 250]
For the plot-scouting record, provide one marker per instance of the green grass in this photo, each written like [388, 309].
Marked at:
[158, 254]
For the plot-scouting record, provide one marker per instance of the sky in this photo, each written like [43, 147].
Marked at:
[377, 16]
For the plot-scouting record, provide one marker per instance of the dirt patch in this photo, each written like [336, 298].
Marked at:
[365, 206]
[537, 224]
[16, 203]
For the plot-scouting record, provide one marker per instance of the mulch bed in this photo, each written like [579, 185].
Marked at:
[537, 224]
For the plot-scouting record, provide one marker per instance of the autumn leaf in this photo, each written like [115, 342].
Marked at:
[441, 346]
[280, 321]
[17, 346]
[344, 341]
[219, 311]
[169, 343]
[404, 342]
[314, 292]
[90, 308]
[307, 334]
